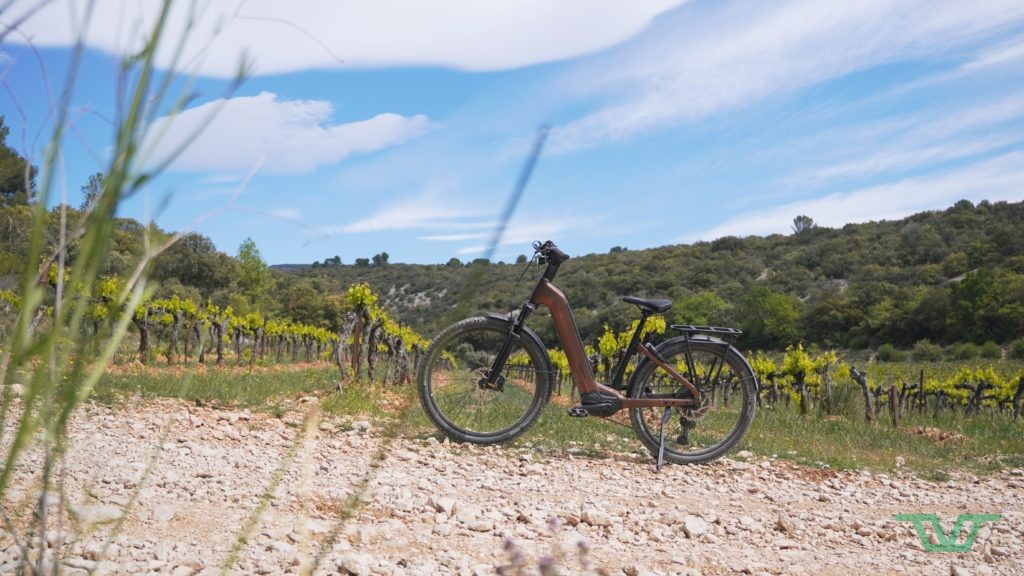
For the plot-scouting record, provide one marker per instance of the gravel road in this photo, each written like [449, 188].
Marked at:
[176, 484]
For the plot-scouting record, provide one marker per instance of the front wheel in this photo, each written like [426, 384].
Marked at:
[726, 404]
[452, 384]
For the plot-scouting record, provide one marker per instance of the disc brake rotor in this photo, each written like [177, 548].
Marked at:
[693, 414]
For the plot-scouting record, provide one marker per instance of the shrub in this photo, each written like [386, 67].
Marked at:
[1016, 349]
[926, 351]
[889, 353]
[964, 351]
[859, 343]
[990, 350]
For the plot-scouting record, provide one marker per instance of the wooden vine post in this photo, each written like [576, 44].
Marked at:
[894, 405]
[869, 399]
[1018, 399]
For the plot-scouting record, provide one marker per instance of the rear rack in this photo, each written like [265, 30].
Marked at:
[726, 338]
[730, 333]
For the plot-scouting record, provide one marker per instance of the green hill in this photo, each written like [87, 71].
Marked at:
[955, 275]
[945, 276]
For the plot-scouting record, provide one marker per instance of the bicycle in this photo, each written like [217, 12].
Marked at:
[486, 379]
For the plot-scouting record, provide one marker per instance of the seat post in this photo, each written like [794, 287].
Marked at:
[634, 341]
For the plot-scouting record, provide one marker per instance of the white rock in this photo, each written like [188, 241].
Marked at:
[99, 514]
[694, 526]
[282, 548]
[996, 551]
[597, 518]
[355, 564]
[481, 525]
[162, 513]
[81, 563]
[784, 523]
[467, 513]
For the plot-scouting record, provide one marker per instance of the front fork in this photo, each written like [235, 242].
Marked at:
[493, 380]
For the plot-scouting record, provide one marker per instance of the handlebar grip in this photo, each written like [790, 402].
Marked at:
[557, 256]
[550, 252]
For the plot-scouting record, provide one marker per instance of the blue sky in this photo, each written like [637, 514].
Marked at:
[401, 126]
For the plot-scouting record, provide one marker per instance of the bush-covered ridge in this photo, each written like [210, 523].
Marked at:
[948, 276]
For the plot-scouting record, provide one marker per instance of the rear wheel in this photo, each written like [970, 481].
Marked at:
[726, 404]
[452, 384]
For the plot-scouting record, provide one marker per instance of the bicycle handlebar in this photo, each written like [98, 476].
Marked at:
[549, 252]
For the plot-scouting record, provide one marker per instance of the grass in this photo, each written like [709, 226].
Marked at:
[262, 389]
[931, 448]
[556, 431]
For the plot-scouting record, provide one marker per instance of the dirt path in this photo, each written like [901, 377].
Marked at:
[433, 508]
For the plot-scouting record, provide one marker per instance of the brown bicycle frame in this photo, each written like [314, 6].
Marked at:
[548, 295]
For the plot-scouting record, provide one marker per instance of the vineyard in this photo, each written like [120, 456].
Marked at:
[372, 345]
[176, 330]
[821, 383]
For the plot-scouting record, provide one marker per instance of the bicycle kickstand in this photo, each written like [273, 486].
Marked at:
[661, 448]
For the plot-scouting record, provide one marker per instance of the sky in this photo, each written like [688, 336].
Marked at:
[401, 126]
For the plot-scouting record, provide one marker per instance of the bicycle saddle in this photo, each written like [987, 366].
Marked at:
[654, 305]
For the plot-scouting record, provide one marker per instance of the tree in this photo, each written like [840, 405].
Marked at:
[91, 190]
[972, 298]
[380, 259]
[702, 308]
[255, 278]
[521, 259]
[802, 224]
[362, 261]
[987, 304]
[769, 318]
[17, 176]
[454, 263]
[195, 261]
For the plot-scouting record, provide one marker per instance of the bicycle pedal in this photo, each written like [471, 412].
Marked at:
[578, 412]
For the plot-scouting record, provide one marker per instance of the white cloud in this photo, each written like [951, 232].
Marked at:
[998, 179]
[1001, 54]
[291, 214]
[427, 210]
[282, 136]
[731, 55]
[297, 35]
[896, 158]
[524, 230]
[455, 237]
[920, 139]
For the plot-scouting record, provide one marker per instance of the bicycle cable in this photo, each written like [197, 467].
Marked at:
[525, 270]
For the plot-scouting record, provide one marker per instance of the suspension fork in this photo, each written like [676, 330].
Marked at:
[493, 380]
